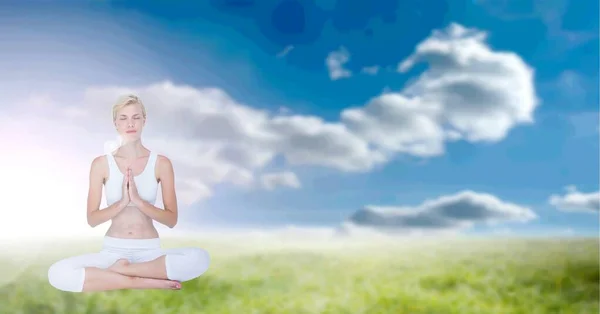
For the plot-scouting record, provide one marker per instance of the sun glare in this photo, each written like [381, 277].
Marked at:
[42, 196]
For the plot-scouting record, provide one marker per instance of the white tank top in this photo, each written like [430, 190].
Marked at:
[145, 182]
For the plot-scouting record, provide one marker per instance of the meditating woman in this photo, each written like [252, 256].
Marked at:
[131, 257]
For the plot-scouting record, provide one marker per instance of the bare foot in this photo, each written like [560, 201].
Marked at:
[119, 266]
[152, 283]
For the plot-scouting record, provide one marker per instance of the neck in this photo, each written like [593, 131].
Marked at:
[133, 149]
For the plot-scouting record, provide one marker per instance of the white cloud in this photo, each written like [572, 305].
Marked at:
[449, 213]
[335, 64]
[372, 70]
[310, 140]
[192, 190]
[576, 201]
[271, 181]
[397, 124]
[468, 92]
[213, 139]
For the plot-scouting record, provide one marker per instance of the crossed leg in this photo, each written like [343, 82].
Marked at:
[91, 272]
[179, 264]
[155, 268]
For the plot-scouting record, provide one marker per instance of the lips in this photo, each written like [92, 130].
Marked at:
[130, 131]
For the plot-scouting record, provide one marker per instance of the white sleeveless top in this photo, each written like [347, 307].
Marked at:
[145, 182]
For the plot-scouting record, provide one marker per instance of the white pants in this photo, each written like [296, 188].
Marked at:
[182, 264]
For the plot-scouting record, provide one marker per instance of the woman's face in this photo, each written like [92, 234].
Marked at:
[130, 122]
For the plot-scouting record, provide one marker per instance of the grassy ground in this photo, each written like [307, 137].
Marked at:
[455, 276]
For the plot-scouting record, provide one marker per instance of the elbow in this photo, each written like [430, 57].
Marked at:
[92, 218]
[174, 218]
[91, 222]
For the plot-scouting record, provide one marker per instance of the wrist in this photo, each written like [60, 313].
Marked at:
[137, 201]
[122, 204]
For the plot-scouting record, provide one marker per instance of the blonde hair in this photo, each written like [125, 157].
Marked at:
[127, 100]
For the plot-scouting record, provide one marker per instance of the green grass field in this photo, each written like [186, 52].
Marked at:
[454, 276]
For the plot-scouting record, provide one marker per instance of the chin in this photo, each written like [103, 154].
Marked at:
[131, 137]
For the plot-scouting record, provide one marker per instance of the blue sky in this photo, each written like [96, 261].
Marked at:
[237, 46]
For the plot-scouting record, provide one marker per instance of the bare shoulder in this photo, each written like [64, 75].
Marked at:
[164, 162]
[164, 167]
[99, 162]
[99, 167]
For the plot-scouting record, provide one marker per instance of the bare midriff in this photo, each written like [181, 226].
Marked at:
[131, 223]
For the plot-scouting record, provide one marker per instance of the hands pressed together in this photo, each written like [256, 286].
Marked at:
[130, 192]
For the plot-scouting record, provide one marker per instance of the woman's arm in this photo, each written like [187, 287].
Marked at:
[95, 215]
[168, 216]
